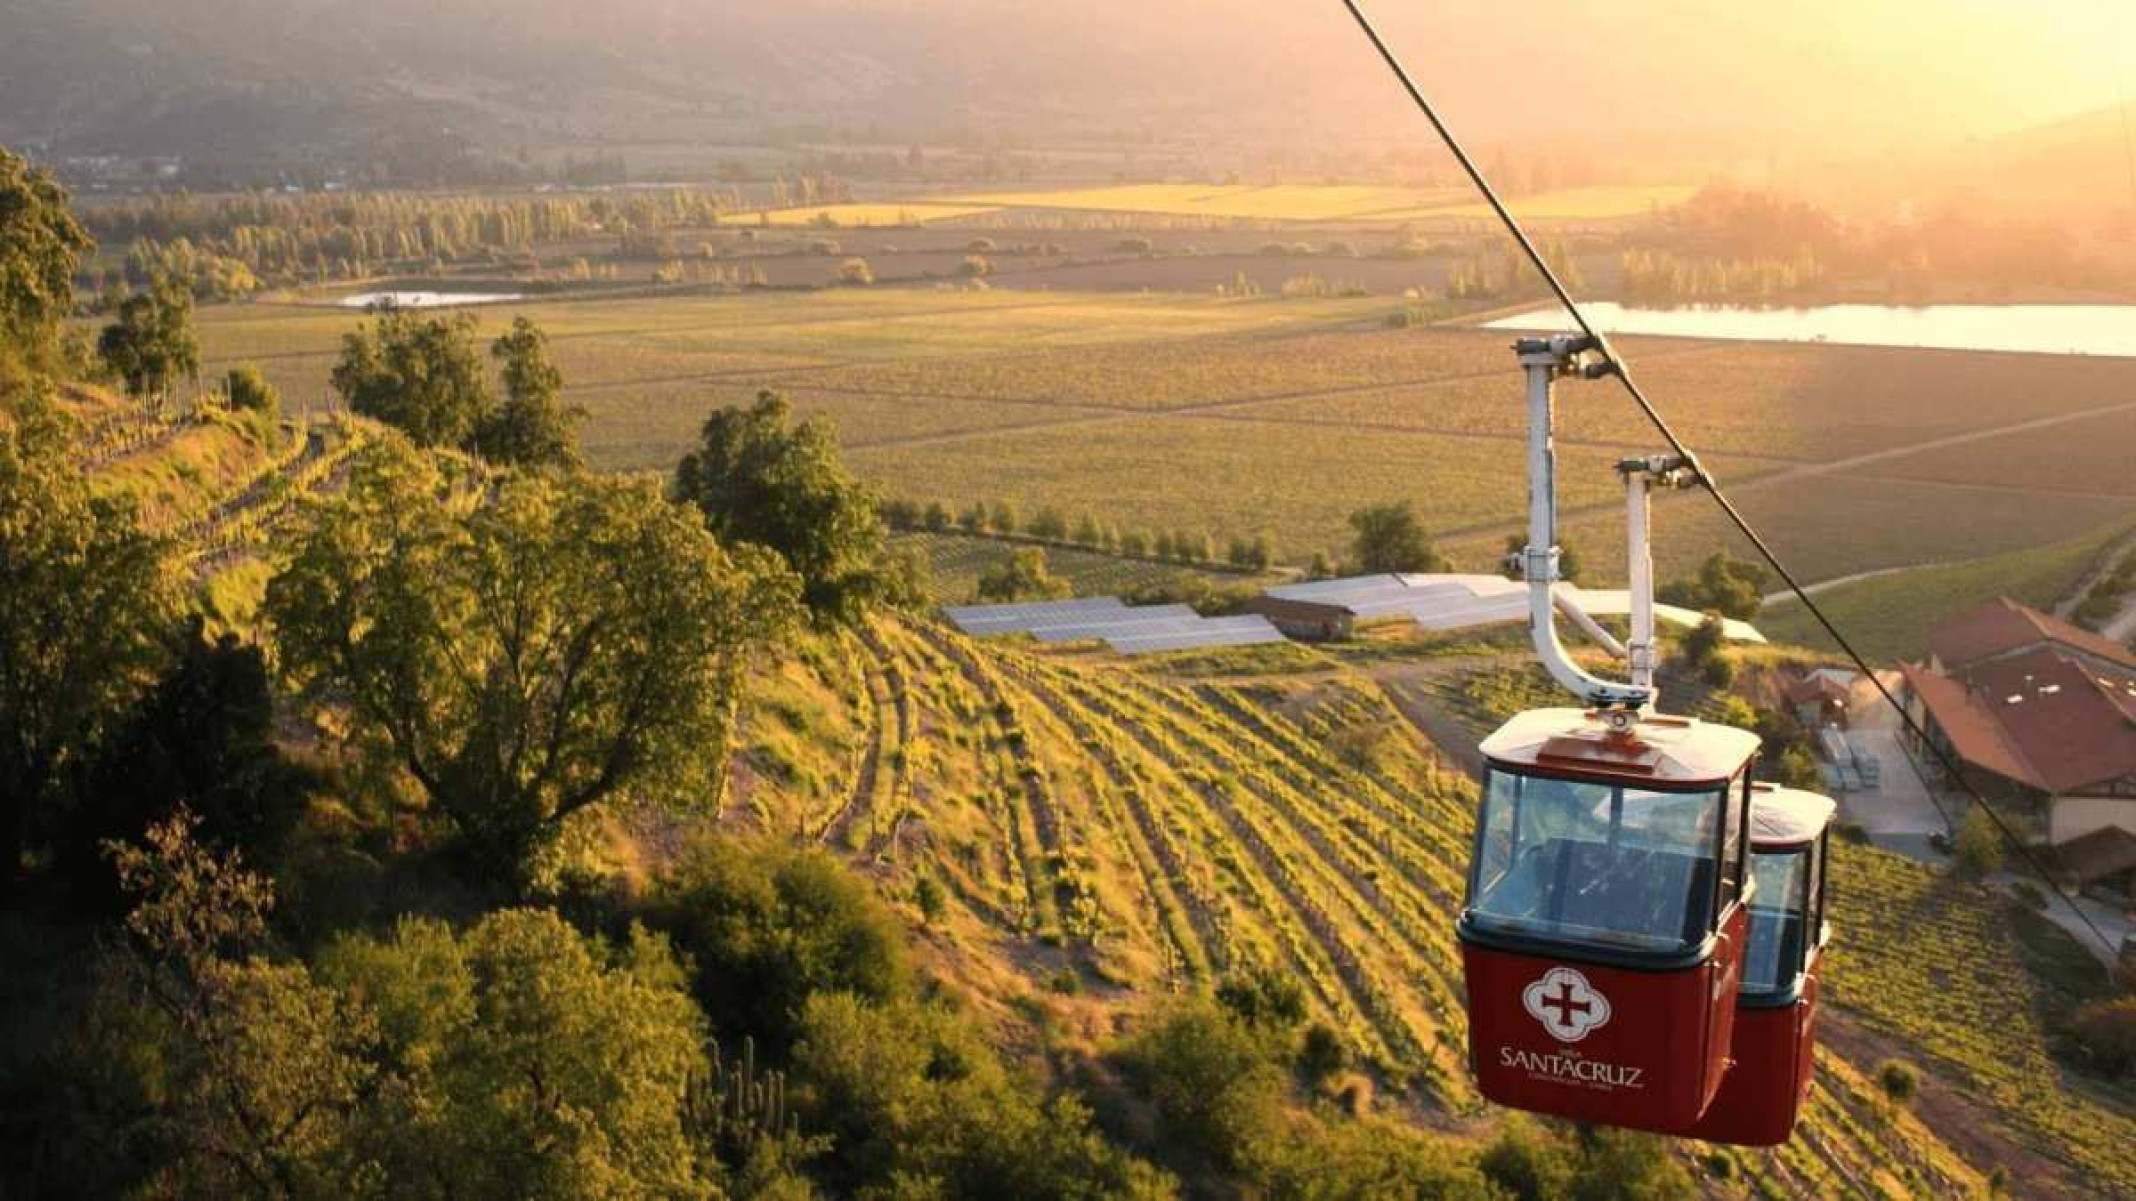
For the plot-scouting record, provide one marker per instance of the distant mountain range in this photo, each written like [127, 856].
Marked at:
[263, 82]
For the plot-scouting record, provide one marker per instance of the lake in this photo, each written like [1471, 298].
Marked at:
[2089, 329]
[424, 300]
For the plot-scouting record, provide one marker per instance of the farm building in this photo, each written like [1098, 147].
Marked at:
[1821, 696]
[1334, 609]
[2042, 715]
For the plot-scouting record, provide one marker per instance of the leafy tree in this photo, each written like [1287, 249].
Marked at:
[1264, 999]
[766, 926]
[1217, 1094]
[759, 480]
[202, 739]
[1979, 846]
[916, 1105]
[1724, 585]
[1320, 568]
[972, 520]
[1048, 524]
[152, 344]
[84, 602]
[250, 391]
[1023, 576]
[936, 516]
[258, 1071]
[2106, 1030]
[856, 271]
[524, 1059]
[1389, 539]
[574, 640]
[533, 427]
[421, 375]
[1527, 1163]
[1627, 1165]
[41, 246]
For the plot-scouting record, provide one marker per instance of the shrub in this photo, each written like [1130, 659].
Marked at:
[1527, 1163]
[1979, 849]
[766, 926]
[2106, 1030]
[856, 271]
[250, 390]
[1900, 1080]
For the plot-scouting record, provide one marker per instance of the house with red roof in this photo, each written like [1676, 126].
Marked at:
[2042, 715]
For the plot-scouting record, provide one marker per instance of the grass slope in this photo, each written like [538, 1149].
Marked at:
[1110, 833]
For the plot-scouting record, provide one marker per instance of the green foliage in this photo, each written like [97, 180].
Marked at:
[1263, 998]
[1900, 1080]
[916, 1106]
[766, 926]
[201, 739]
[931, 899]
[573, 640]
[420, 375]
[1527, 1163]
[1627, 1165]
[41, 244]
[1023, 577]
[1724, 585]
[1978, 850]
[151, 344]
[2106, 1030]
[1217, 1094]
[1389, 538]
[84, 602]
[533, 427]
[1321, 1053]
[250, 391]
[523, 1059]
[758, 480]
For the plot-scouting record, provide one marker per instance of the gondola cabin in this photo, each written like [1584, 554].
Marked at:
[1605, 927]
[1776, 1008]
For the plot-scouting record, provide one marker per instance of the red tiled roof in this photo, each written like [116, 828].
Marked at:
[2043, 717]
[2002, 625]
[1972, 728]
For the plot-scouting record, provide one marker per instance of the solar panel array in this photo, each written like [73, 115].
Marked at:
[1455, 602]
[1129, 630]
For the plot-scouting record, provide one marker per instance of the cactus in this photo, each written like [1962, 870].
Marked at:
[735, 1102]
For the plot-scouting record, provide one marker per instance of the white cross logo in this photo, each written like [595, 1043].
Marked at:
[1566, 1004]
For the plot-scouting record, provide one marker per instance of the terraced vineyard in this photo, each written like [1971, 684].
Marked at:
[1109, 833]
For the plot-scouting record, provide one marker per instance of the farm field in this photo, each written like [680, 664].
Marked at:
[863, 214]
[1248, 415]
[1889, 617]
[1144, 829]
[1336, 202]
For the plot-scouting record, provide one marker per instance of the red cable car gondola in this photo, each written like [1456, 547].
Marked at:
[1604, 936]
[1776, 1010]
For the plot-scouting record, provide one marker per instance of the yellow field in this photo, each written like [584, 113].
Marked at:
[1336, 202]
[860, 216]
[1570, 204]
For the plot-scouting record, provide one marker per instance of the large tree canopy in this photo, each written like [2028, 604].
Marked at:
[758, 479]
[151, 344]
[1390, 539]
[84, 601]
[573, 640]
[41, 244]
[421, 375]
[533, 427]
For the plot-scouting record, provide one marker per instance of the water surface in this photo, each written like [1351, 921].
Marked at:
[424, 300]
[2090, 329]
